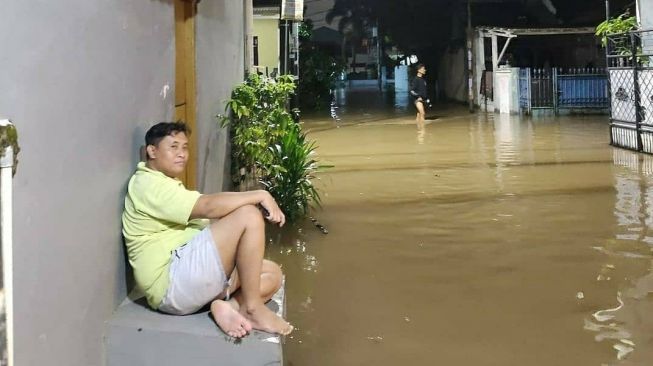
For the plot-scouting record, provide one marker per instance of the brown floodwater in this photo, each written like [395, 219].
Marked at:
[487, 240]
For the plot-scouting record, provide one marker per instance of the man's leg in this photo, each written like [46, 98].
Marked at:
[271, 277]
[421, 115]
[240, 240]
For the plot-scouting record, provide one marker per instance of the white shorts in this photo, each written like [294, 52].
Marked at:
[196, 276]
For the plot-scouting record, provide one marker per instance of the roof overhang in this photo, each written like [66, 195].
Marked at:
[515, 32]
[268, 12]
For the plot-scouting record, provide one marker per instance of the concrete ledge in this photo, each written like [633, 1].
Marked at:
[139, 336]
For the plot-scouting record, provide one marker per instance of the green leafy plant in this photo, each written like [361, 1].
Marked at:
[621, 44]
[622, 24]
[268, 147]
[290, 177]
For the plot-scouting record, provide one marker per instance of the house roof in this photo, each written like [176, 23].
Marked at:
[536, 31]
[267, 11]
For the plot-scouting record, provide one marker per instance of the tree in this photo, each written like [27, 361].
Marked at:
[354, 17]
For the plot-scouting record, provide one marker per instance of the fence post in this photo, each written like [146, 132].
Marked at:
[609, 79]
[638, 104]
[554, 75]
[530, 91]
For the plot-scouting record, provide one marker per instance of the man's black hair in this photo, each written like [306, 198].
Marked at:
[160, 130]
[419, 66]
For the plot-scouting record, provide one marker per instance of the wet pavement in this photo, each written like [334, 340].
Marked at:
[486, 240]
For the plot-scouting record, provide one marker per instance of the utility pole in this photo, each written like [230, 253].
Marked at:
[379, 55]
[284, 48]
[470, 55]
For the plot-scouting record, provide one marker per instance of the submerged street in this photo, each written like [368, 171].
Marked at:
[487, 240]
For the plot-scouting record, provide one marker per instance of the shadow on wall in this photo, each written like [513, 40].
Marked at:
[217, 154]
[138, 141]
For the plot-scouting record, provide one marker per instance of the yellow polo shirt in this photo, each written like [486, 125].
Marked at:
[155, 222]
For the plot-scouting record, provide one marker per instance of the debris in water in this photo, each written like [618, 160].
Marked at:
[622, 351]
[407, 319]
[376, 339]
[580, 295]
[628, 342]
[319, 226]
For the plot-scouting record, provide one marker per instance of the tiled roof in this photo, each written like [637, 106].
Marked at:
[268, 11]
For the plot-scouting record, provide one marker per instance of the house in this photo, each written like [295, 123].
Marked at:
[267, 39]
[82, 80]
[276, 36]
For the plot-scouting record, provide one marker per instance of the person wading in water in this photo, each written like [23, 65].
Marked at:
[419, 95]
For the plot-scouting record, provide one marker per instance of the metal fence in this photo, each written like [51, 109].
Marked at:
[557, 88]
[630, 69]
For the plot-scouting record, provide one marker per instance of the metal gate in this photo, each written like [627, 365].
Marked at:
[630, 69]
[557, 88]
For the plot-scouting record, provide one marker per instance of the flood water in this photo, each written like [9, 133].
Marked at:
[488, 240]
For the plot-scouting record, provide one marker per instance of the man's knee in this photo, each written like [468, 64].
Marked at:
[272, 272]
[272, 268]
[249, 214]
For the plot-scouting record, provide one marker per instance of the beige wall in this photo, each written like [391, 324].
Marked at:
[267, 31]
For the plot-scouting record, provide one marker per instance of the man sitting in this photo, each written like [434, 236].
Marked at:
[189, 249]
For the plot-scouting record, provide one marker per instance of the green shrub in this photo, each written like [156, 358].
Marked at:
[622, 44]
[622, 24]
[269, 147]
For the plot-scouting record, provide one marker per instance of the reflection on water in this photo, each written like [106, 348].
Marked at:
[488, 240]
[628, 327]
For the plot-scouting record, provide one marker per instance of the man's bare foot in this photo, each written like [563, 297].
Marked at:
[264, 319]
[229, 319]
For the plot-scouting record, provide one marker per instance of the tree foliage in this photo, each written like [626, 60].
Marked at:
[318, 72]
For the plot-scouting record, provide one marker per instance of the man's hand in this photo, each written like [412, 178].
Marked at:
[273, 212]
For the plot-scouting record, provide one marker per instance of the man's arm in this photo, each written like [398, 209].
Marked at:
[217, 205]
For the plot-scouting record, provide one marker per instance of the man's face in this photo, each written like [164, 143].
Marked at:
[422, 70]
[170, 155]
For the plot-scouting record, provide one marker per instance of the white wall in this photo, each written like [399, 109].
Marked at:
[82, 81]
[646, 13]
[646, 19]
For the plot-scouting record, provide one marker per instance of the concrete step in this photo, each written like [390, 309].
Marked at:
[138, 336]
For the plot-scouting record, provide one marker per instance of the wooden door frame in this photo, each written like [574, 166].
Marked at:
[189, 10]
